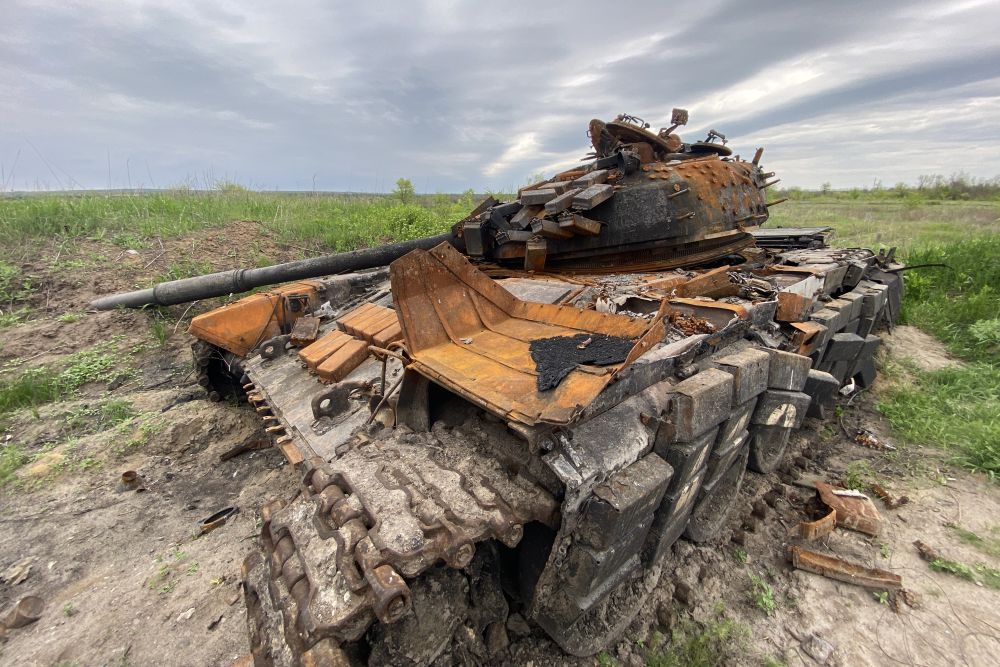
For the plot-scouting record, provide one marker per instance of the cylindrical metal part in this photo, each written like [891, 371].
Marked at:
[241, 280]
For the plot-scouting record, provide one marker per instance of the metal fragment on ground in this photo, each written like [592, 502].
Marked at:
[854, 509]
[216, 520]
[891, 501]
[813, 530]
[843, 570]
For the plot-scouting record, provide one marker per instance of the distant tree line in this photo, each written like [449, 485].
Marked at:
[957, 187]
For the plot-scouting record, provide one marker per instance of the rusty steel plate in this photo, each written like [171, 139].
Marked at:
[472, 336]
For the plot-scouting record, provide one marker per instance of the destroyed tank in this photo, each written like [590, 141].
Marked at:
[524, 414]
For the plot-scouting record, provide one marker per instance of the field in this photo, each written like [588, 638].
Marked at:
[85, 396]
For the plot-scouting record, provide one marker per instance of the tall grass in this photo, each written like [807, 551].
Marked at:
[340, 222]
[956, 408]
[959, 304]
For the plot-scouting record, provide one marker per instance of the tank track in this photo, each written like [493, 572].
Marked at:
[338, 555]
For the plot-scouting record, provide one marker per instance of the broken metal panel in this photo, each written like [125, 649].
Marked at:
[467, 333]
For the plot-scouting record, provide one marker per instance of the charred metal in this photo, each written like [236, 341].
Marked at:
[445, 481]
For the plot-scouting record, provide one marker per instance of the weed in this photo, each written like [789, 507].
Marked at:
[953, 567]
[885, 550]
[989, 574]
[859, 475]
[31, 388]
[987, 545]
[107, 415]
[13, 318]
[958, 304]
[953, 408]
[131, 241]
[115, 412]
[11, 458]
[185, 269]
[882, 597]
[13, 286]
[699, 645]
[88, 463]
[192, 569]
[986, 333]
[149, 424]
[741, 555]
[341, 222]
[160, 331]
[93, 365]
[605, 659]
[771, 661]
[762, 595]
[36, 386]
[69, 610]
[69, 318]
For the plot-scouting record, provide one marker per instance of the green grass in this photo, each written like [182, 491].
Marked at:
[31, 388]
[340, 222]
[960, 570]
[874, 223]
[14, 288]
[107, 415]
[960, 304]
[160, 331]
[37, 386]
[859, 475]
[762, 595]
[990, 576]
[695, 644]
[954, 408]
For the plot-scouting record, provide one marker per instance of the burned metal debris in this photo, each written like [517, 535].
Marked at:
[843, 570]
[527, 412]
[555, 357]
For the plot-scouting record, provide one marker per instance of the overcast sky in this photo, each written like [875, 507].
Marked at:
[351, 96]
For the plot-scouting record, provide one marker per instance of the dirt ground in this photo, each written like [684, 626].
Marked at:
[128, 579]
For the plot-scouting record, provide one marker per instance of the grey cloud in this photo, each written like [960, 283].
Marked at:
[360, 94]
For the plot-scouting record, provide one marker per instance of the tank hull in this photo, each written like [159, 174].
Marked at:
[447, 479]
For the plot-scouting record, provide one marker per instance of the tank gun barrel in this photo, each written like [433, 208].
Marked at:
[241, 280]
